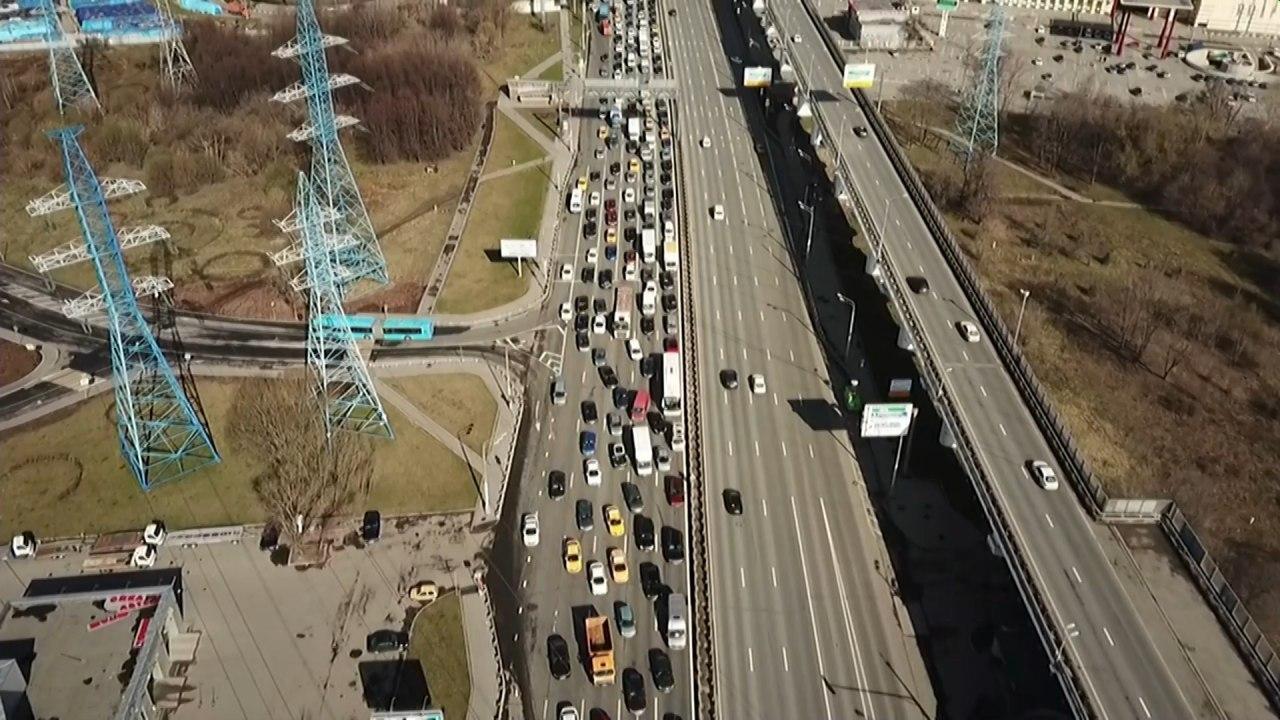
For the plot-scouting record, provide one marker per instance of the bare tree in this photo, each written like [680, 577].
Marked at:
[308, 474]
[977, 191]
[1186, 328]
[1134, 318]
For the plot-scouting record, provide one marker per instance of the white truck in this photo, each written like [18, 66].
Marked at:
[624, 304]
[649, 245]
[642, 450]
[670, 255]
[633, 129]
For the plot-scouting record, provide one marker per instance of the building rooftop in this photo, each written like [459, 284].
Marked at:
[75, 671]
[78, 651]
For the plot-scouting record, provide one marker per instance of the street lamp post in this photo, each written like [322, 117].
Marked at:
[853, 310]
[1072, 632]
[808, 243]
[1017, 330]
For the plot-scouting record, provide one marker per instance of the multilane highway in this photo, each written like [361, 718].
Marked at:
[1121, 669]
[804, 623]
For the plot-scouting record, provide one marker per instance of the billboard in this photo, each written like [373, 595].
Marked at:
[859, 75]
[886, 419]
[900, 388]
[518, 249]
[757, 77]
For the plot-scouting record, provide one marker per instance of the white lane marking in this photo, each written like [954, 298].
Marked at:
[751, 660]
[730, 448]
[717, 315]
[721, 354]
[784, 448]
[739, 316]
[764, 507]
[1143, 703]
[715, 282]
[773, 573]
[756, 278]
[1108, 634]
[1076, 572]
[791, 354]
[965, 353]
[1002, 430]
[813, 618]
[742, 577]
[1046, 517]
[761, 316]
[983, 388]
[868, 709]
[775, 398]
[810, 451]
[757, 444]
[735, 281]
[786, 664]
[768, 355]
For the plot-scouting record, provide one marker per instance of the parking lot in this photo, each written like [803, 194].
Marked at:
[1045, 62]
[278, 642]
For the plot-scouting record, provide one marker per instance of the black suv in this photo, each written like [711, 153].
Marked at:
[555, 484]
[633, 691]
[672, 545]
[660, 668]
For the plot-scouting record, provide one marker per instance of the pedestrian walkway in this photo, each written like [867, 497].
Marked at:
[482, 656]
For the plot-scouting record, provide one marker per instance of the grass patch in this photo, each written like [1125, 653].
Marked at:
[547, 121]
[506, 207]
[65, 475]
[16, 362]
[439, 642]
[526, 43]
[555, 73]
[511, 146]
[460, 402]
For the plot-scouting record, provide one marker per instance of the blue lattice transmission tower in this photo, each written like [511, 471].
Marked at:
[71, 86]
[342, 378]
[978, 122]
[161, 435]
[330, 173]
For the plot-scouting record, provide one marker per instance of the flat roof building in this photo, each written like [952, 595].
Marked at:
[95, 648]
[878, 24]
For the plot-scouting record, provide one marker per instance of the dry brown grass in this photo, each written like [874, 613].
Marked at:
[1208, 435]
[222, 227]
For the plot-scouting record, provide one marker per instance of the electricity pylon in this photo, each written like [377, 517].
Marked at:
[175, 63]
[978, 122]
[71, 86]
[342, 378]
[330, 175]
[161, 435]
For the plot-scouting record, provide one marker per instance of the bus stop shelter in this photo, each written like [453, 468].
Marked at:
[1122, 12]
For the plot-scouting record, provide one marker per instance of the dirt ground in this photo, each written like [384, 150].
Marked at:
[15, 362]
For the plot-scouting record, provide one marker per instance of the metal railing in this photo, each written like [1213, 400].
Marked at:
[933, 377]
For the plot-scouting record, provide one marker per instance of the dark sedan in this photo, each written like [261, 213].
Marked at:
[660, 669]
[558, 657]
[633, 691]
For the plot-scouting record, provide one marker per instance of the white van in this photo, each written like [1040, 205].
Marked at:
[575, 200]
[677, 622]
[558, 392]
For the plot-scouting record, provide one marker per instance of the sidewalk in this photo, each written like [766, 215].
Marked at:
[50, 360]
[482, 656]
[562, 154]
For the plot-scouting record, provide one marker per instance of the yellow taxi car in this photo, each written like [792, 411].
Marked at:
[613, 518]
[611, 235]
[603, 132]
[618, 565]
[633, 167]
[583, 183]
[572, 555]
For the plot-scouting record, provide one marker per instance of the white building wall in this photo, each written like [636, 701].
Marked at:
[1094, 7]
[1250, 17]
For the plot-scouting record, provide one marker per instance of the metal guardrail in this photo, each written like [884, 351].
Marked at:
[704, 695]
[930, 373]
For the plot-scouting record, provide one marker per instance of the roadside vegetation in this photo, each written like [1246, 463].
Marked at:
[1153, 315]
[460, 402]
[220, 169]
[63, 475]
[439, 642]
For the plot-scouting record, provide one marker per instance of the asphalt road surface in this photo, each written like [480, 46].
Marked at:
[554, 600]
[805, 626]
[1121, 668]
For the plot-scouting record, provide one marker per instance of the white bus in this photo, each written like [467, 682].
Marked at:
[672, 386]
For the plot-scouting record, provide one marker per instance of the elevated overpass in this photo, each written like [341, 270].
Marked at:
[1094, 638]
